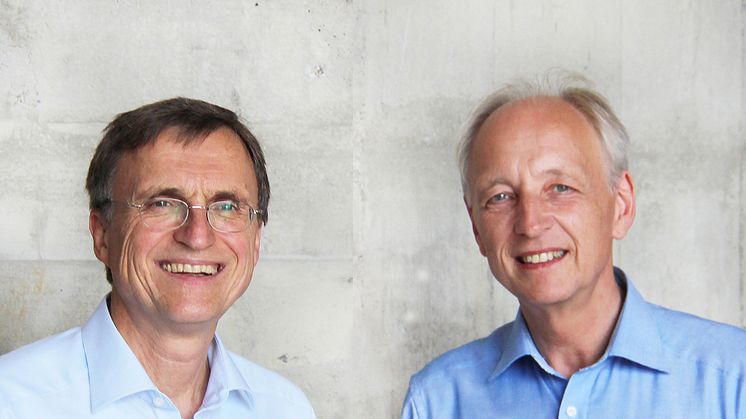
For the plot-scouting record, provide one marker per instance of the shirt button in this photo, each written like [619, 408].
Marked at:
[158, 401]
[572, 411]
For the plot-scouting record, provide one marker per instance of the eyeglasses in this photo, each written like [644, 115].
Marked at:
[164, 214]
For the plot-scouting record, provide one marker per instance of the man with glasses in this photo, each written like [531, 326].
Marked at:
[178, 196]
[547, 189]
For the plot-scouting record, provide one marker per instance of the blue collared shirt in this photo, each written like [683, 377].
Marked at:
[659, 364]
[90, 372]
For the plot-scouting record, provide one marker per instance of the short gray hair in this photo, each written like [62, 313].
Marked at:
[570, 87]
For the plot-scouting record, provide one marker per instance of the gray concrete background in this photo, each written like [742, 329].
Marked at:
[368, 267]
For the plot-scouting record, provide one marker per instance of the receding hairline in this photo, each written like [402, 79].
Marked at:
[534, 102]
[570, 88]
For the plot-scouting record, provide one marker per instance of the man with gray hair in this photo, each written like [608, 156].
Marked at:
[178, 198]
[547, 189]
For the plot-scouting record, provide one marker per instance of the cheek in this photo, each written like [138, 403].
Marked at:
[592, 221]
[242, 249]
[495, 230]
[139, 246]
[604, 214]
[119, 243]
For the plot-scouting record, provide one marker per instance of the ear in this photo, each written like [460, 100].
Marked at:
[470, 210]
[98, 227]
[257, 241]
[624, 206]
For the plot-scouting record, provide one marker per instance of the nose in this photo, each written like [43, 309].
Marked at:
[532, 217]
[196, 233]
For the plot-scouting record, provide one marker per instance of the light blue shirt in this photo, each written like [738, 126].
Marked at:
[90, 372]
[659, 364]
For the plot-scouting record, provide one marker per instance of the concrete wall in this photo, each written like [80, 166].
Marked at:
[368, 267]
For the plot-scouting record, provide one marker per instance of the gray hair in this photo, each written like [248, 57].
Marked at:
[571, 88]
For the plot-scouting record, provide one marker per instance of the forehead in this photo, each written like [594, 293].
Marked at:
[219, 163]
[537, 129]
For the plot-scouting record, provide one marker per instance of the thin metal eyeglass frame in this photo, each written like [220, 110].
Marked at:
[252, 212]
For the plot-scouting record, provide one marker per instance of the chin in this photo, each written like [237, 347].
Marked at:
[545, 297]
[195, 313]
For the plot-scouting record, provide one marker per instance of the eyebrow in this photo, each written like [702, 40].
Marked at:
[554, 172]
[178, 194]
[551, 172]
[571, 175]
[168, 192]
[226, 196]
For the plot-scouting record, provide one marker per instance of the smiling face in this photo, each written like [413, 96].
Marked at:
[540, 203]
[193, 274]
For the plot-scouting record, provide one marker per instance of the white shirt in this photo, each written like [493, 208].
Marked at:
[90, 372]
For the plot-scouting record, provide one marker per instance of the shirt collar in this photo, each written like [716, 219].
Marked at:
[636, 336]
[224, 376]
[114, 372]
[518, 344]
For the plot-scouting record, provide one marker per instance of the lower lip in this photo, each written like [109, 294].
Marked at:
[541, 265]
[190, 277]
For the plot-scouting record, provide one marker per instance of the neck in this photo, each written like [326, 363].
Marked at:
[175, 360]
[574, 335]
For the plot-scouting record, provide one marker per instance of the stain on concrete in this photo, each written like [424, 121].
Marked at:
[13, 23]
[235, 98]
[287, 359]
[38, 232]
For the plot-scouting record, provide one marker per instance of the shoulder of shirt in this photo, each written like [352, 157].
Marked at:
[267, 383]
[706, 342]
[46, 366]
[476, 358]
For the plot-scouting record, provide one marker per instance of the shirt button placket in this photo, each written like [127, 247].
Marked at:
[574, 404]
[161, 407]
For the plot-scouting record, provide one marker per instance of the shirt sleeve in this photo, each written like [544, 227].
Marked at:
[311, 413]
[6, 413]
[741, 404]
[409, 409]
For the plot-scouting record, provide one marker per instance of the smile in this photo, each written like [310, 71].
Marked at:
[190, 269]
[541, 257]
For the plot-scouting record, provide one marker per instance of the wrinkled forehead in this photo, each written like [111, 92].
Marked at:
[545, 136]
[215, 163]
[525, 120]
[536, 113]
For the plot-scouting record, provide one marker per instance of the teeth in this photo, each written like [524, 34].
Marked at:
[542, 257]
[192, 269]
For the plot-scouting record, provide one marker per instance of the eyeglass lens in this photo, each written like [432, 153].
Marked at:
[169, 214]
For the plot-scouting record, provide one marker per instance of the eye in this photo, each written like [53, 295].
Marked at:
[161, 207]
[225, 206]
[560, 188]
[499, 197]
[161, 203]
